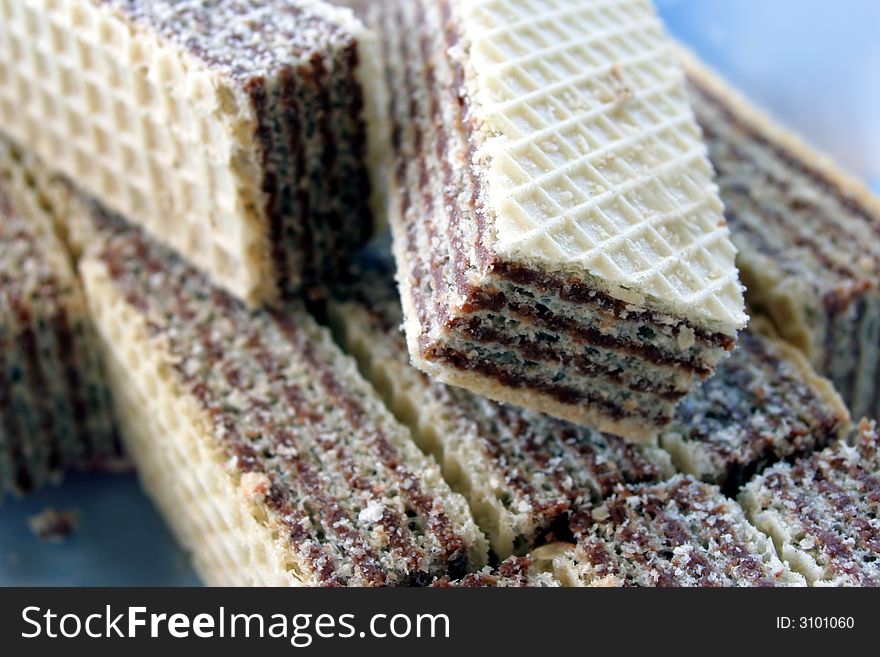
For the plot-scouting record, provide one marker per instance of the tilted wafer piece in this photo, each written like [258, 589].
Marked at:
[521, 472]
[680, 533]
[236, 131]
[55, 411]
[514, 573]
[763, 405]
[823, 512]
[808, 236]
[560, 242]
[270, 457]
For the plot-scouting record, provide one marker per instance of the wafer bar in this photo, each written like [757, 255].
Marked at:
[823, 512]
[55, 412]
[765, 404]
[272, 460]
[238, 132]
[808, 236]
[521, 472]
[559, 240]
[680, 533]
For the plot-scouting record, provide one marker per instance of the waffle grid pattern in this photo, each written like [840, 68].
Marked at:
[151, 133]
[599, 169]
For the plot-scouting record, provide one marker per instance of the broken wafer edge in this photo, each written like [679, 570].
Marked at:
[822, 511]
[625, 542]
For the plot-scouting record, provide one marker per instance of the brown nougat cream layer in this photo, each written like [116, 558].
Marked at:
[522, 472]
[765, 404]
[504, 326]
[808, 237]
[242, 133]
[270, 457]
[55, 412]
[680, 533]
[823, 512]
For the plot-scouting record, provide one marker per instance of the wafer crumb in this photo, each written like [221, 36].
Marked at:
[52, 525]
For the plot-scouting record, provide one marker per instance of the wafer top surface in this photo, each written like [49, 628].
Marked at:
[242, 38]
[594, 164]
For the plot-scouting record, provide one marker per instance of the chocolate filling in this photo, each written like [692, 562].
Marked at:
[561, 393]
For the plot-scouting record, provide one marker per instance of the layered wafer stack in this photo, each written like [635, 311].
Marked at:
[523, 473]
[680, 533]
[808, 236]
[238, 132]
[765, 404]
[270, 457]
[54, 406]
[823, 512]
[559, 240]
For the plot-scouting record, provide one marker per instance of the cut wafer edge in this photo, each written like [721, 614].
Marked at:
[520, 471]
[55, 413]
[223, 494]
[821, 511]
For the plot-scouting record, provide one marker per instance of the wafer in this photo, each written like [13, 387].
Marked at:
[559, 240]
[765, 404]
[55, 412]
[823, 512]
[680, 533]
[239, 132]
[521, 472]
[272, 460]
[808, 237]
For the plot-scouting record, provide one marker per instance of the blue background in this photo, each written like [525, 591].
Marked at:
[814, 64]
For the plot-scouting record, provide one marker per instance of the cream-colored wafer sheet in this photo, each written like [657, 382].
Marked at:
[594, 164]
[145, 109]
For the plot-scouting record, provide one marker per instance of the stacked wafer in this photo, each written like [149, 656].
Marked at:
[808, 235]
[523, 473]
[680, 533]
[823, 512]
[54, 407]
[764, 404]
[271, 459]
[559, 240]
[237, 131]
